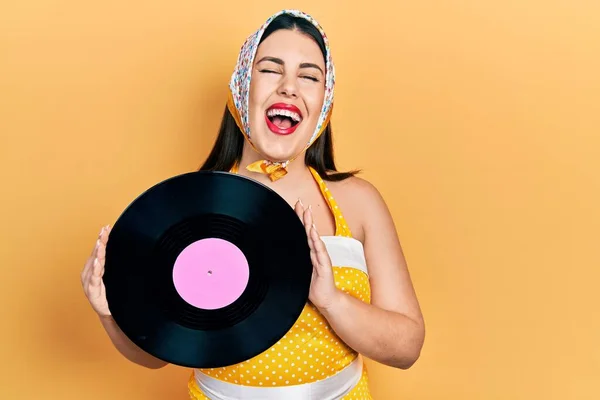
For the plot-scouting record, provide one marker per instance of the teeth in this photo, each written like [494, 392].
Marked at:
[276, 111]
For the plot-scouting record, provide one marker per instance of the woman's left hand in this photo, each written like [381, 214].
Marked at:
[323, 292]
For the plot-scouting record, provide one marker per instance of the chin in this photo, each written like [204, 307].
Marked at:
[280, 148]
[277, 152]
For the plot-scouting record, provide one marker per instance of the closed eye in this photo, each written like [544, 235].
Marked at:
[269, 71]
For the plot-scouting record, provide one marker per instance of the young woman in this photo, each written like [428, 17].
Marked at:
[276, 130]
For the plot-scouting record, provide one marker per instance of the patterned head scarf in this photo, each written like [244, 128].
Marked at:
[240, 90]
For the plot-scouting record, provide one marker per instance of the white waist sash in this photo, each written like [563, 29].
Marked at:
[332, 388]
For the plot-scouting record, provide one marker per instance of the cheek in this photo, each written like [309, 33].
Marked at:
[254, 98]
[260, 90]
[314, 101]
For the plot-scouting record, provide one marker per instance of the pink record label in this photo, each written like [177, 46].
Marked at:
[210, 273]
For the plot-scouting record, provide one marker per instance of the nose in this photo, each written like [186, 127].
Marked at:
[288, 87]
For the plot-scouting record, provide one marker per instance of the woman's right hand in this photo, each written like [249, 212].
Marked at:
[91, 276]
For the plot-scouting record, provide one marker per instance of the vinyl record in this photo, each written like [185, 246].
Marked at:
[207, 269]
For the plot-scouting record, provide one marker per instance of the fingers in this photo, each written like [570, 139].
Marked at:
[98, 263]
[318, 251]
[97, 273]
[317, 247]
[314, 260]
[96, 259]
[308, 220]
[104, 233]
[87, 269]
[305, 215]
[314, 239]
[93, 254]
[87, 279]
[299, 209]
[93, 272]
[94, 286]
[101, 253]
[88, 264]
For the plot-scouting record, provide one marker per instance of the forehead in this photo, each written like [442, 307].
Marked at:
[292, 46]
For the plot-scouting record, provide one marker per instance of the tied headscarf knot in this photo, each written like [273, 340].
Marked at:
[274, 170]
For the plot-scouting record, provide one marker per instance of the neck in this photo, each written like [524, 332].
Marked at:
[297, 169]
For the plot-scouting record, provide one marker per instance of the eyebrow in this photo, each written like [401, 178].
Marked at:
[280, 62]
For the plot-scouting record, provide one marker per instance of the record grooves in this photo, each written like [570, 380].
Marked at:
[207, 269]
[174, 241]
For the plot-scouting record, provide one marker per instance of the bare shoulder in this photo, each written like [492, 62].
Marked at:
[357, 189]
[361, 202]
[371, 221]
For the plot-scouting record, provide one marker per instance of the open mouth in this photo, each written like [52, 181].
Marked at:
[283, 119]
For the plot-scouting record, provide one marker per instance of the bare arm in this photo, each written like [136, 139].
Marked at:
[391, 329]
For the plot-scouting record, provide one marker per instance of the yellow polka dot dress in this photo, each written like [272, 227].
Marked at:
[310, 351]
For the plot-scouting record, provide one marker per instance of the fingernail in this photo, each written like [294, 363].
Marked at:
[97, 243]
[310, 207]
[300, 201]
[314, 227]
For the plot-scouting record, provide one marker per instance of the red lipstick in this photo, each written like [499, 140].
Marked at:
[290, 108]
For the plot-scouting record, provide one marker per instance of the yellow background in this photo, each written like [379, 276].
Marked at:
[477, 120]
